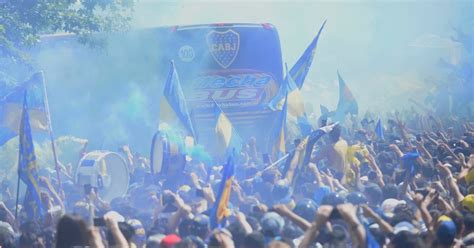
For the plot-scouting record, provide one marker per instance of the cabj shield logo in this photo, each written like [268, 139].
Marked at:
[224, 46]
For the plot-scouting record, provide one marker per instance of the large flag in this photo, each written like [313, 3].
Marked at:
[11, 107]
[299, 71]
[347, 103]
[220, 209]
[379, 130]
[27, 166]
[173, 107]
[279, 133]
[228, 140]
[292, 93]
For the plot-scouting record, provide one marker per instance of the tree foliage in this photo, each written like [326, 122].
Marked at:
[23, 21]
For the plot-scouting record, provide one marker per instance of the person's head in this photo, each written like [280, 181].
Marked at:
[7, 238]
[356, 198]
[32, 240]
[238, 233]
[468, 223]
[271, 176]
[388, 206]
[221, 238]
[278, 244]
[272, 224]
[389, 191]
[332, 199]
[71, 231]
[127, 231]
[306, 208]
[186, 243]
[373, 193]
[253, 240]
[200, 226]
[139, 237]
[154, 241]
[445, 232]
[170, 241]
[405, 239]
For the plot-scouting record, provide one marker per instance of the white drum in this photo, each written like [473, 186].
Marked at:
[166, 155]
[105, 170]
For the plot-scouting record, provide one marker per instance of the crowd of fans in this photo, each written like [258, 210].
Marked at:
[411, 189]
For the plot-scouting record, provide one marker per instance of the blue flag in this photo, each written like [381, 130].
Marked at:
[408, 162]
[347, 103]
[27, 166]
[11, 107]
[379, 130]
[279, 133]
[370, 239]
[229, 141]
[299, 71]
[220, 209]
[173, 107]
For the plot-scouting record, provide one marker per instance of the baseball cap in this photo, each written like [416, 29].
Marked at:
[469, 176]
[356, 198]
[170, 240]
[306, 208]
[446, 230]
[332, 199]
[272, 224]
[389, 205]
[140, 236]
[468, 202]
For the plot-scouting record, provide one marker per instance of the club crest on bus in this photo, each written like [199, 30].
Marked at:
[223, 46]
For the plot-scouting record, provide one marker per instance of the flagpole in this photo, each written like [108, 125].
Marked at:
[17, 186]
[50, 130]
[19, 159]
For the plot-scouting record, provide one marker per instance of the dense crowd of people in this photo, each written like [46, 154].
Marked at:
[411, 188]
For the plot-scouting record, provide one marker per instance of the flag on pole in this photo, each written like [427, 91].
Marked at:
[11, 108]
[292, 93]
[220, 209]
[228, 140]
[299, 71]
[173, 106]
[379, 130]
[279, 133]
[347, 103]
[27, 166]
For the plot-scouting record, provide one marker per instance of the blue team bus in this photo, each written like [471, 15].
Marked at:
[237, 65]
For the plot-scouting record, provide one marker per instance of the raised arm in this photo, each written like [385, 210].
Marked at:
[284, 211]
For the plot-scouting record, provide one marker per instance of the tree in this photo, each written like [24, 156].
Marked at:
[23, 21]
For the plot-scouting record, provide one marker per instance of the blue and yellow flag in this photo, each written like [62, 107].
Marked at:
[173, 107]
[299, 71]
[27, 166]
[220, 209]
[279, 133]
[347, 103]
[379, 130]
[228, 140]
[11, 107]
[292, 93]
